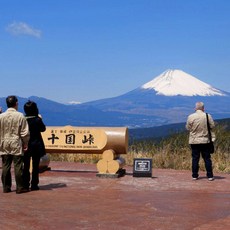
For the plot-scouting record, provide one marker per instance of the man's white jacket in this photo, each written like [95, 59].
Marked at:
[14, 132]
[197, 126]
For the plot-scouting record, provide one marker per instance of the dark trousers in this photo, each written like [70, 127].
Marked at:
[197, 150]
[6, 171]
[34, 181]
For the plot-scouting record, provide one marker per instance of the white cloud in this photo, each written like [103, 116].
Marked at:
[18, 28]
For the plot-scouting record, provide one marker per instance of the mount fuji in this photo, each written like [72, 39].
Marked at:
[167, 99]
[177, 82]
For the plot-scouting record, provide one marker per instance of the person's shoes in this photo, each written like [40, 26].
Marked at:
[211, 178]
[34, 188]
[6, 190]
[195, 178]
[23, 190]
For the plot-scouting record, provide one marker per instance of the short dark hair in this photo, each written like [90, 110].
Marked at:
[11, 101]
[31, 108]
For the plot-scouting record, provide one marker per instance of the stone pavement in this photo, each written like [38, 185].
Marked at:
[71, 196]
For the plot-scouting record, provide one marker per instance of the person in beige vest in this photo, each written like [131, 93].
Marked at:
[14, 138]
[199, 139]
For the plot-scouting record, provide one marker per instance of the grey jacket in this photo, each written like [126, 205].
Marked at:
[197, 126]
[14, 132]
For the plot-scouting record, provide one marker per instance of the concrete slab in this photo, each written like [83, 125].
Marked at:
[71, 196]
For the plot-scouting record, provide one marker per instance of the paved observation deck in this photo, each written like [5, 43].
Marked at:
[71, 196]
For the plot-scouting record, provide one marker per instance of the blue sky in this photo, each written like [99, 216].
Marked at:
[84, 50]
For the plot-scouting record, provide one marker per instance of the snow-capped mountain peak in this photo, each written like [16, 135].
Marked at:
[177, 82]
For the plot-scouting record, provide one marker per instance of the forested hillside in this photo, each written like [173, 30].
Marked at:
[174, 151]
[167, 130]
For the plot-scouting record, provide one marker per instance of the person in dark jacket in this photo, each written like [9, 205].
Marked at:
[36, 147]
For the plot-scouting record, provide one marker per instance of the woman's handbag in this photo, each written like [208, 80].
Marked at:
[211, 147]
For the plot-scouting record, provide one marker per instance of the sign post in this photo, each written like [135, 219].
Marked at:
[142, 167]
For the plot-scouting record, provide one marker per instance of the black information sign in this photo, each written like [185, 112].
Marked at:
[142, 167]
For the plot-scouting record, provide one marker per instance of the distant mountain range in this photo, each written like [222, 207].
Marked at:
[167, 99]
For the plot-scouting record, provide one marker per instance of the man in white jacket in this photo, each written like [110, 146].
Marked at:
[199, 139]
[14, 138]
